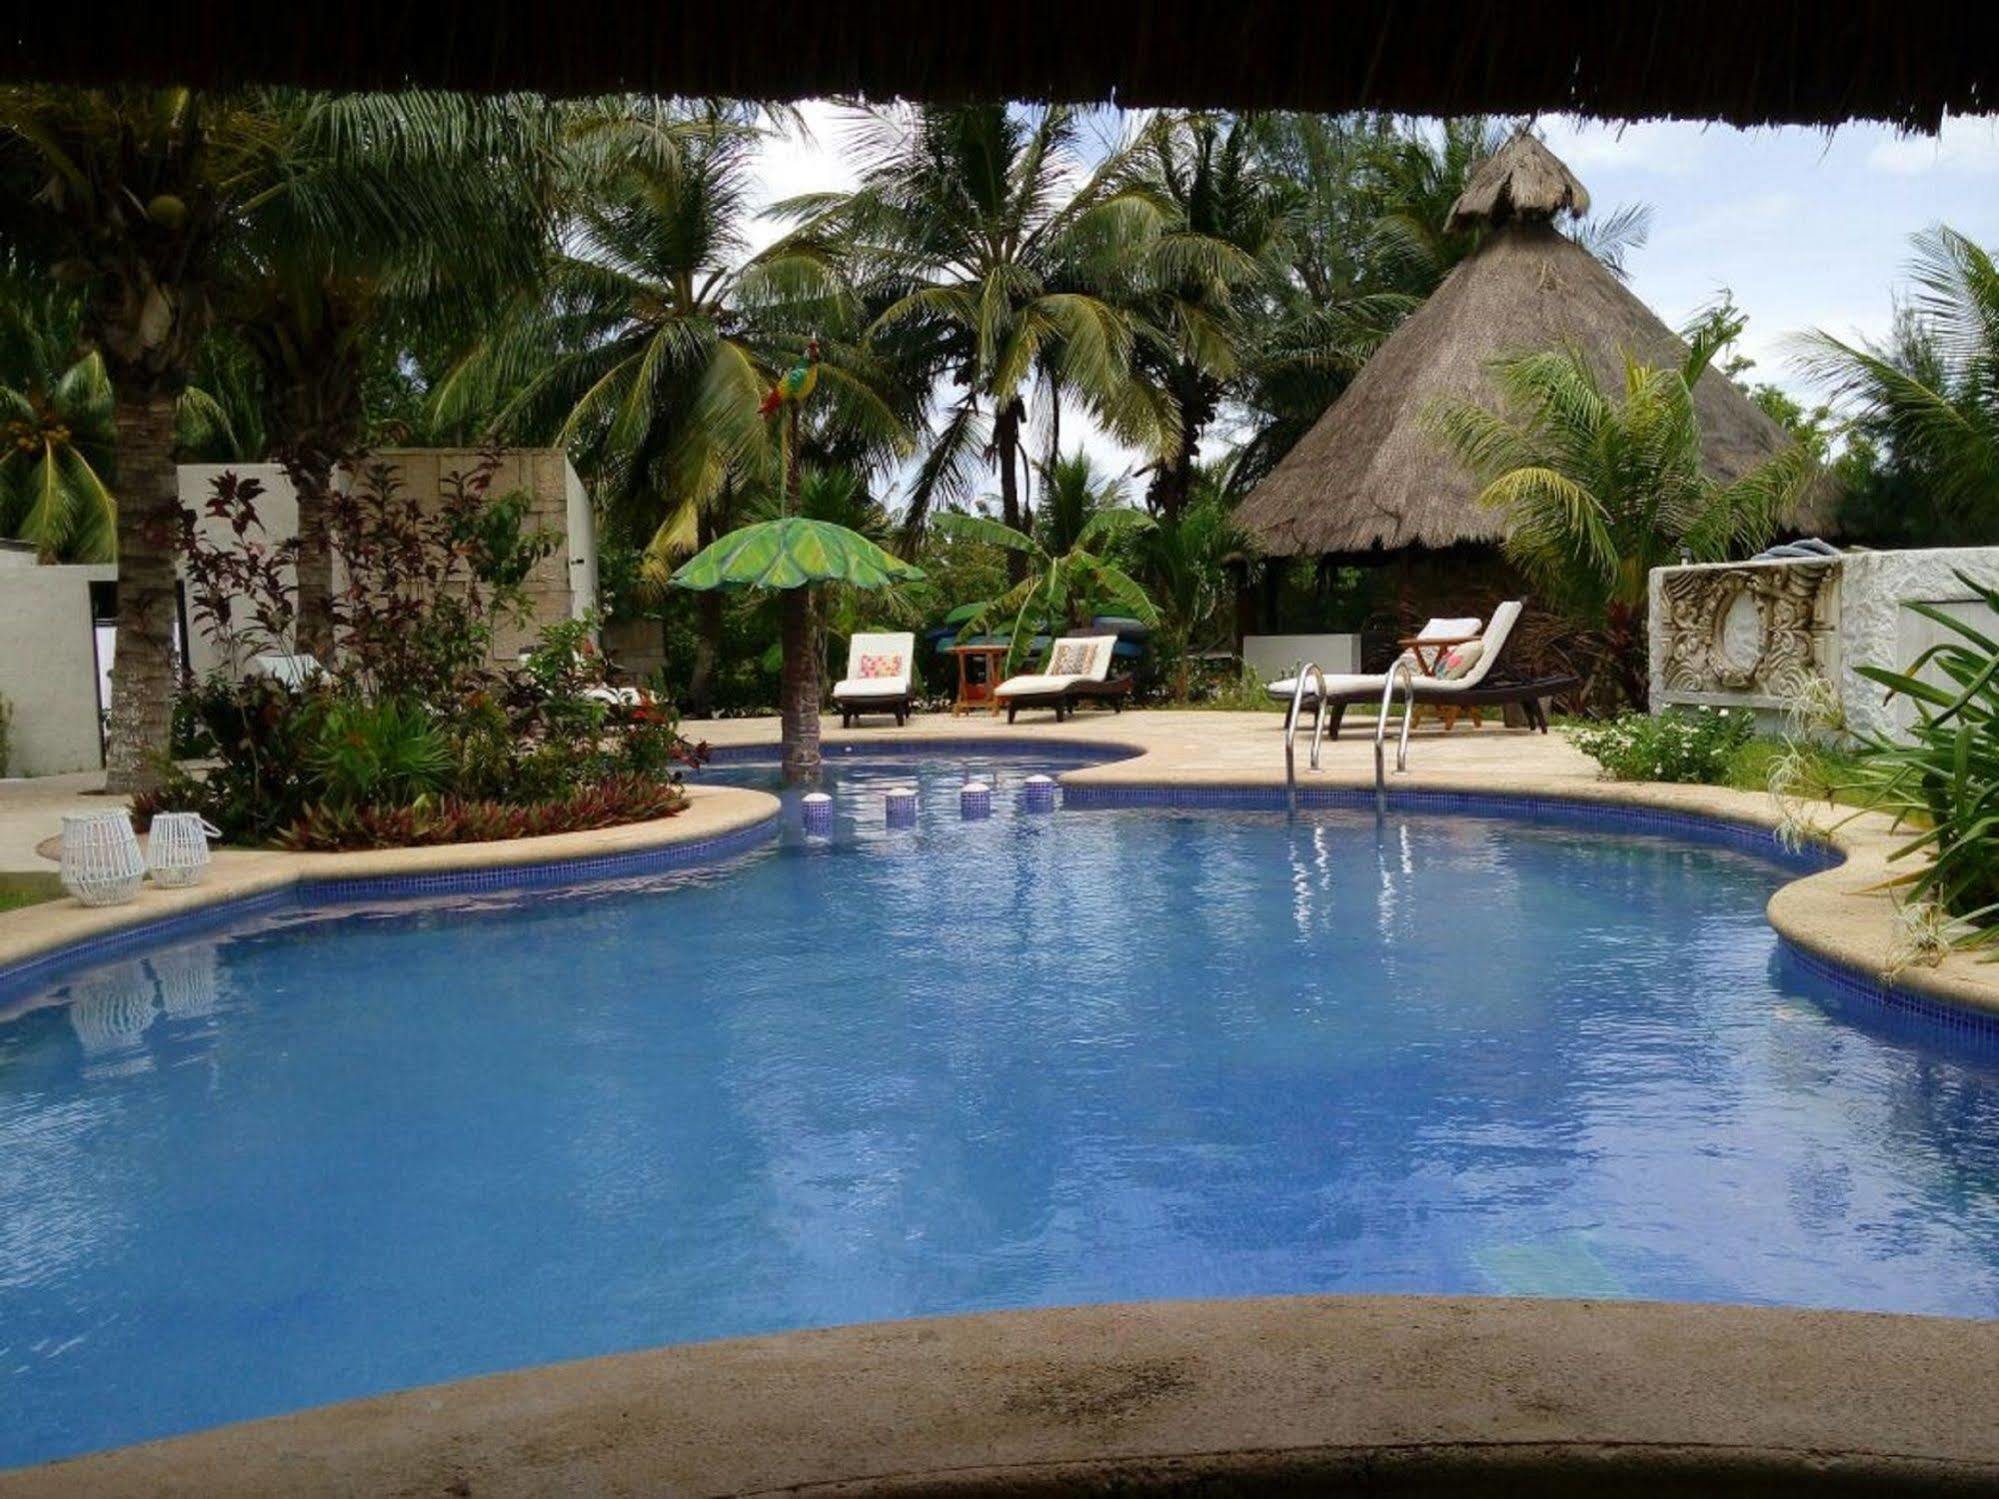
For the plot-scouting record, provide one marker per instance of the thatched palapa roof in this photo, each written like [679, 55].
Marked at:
[1372, 475]
[1748, 62]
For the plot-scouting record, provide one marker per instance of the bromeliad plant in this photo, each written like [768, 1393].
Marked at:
[1944, 776]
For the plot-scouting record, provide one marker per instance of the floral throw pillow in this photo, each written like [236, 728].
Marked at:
[1071, 659]
[873, 668]
[1459, 659]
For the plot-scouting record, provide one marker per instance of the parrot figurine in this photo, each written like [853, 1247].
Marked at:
[796, 383]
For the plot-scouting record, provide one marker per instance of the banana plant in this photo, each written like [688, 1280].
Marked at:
[1058, 590]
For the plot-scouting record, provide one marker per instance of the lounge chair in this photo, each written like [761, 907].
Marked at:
[1451, 630]
[1078, 670]
[293, 670]
[1473, 680]
[878, 676]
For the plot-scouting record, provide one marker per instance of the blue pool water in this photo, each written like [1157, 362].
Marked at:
[1092, 1055]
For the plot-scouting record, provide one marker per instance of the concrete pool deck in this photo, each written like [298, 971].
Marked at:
[1842, 914]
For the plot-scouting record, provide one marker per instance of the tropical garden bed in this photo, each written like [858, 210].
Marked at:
[412, 733]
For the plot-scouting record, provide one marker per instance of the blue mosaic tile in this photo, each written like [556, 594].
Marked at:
[1867, 993]
[39, 971]
[545, 874]
[908, 749]
[1747, 837]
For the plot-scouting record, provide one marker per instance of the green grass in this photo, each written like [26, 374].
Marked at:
[17, 890]
[1828, 773]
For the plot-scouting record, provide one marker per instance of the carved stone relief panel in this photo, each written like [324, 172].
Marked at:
[1752, 634]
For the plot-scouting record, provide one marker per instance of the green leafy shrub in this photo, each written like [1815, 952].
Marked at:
[6, 732]
[412, 733]
[1685, 745]
[1944, 777]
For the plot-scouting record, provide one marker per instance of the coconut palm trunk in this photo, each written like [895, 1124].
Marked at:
[1006, 451]
[799, 686]
[311, 473]
[798, 632]
[142, 672]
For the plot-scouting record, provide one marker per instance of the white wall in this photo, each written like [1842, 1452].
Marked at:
[1274, 657]
[46, 667]
[1878, 628]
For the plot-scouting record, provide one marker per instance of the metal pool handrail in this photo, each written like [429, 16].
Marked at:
[1291, 729]
[1401, 669]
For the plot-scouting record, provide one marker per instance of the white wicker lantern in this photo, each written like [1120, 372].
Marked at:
[177, 849]
[101, 863]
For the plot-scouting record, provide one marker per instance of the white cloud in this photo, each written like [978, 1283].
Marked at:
[1963, 145]
[814, 159]
[1669, 148]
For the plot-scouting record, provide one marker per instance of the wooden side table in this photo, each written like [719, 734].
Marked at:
[981, 668]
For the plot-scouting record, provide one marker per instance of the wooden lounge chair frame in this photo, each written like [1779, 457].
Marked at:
[1112, 690]
[1529, 696]
[852, 708]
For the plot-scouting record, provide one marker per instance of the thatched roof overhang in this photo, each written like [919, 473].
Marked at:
[1748, 62]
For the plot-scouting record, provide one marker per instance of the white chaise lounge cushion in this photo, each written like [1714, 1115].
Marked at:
[1491, 643]
[1092, 652]
[1435, 629]
[854, 687]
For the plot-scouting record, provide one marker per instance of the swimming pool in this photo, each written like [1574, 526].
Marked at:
[1098, 1054]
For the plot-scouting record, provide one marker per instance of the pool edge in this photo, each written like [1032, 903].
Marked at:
[732, 821]
[1400, 1390]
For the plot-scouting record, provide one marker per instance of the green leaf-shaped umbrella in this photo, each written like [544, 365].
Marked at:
[793, 553]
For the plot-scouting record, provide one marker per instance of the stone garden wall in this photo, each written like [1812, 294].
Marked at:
[1757, 634]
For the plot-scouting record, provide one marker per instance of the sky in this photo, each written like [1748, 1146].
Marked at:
[1807, 228]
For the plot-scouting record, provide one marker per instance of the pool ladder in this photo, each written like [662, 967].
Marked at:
[1399, 672]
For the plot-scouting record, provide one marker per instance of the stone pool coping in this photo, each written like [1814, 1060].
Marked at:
[59, 934]
[1394, 1394]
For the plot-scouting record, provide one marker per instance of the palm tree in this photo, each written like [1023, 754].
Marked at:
[128, 193]
[648, 349]
[154, 204]
[1598, 489]
[1930, 398]
[969, 231]
[1220, 232]
[1185, 562]
[57, 443]
[441, 213]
